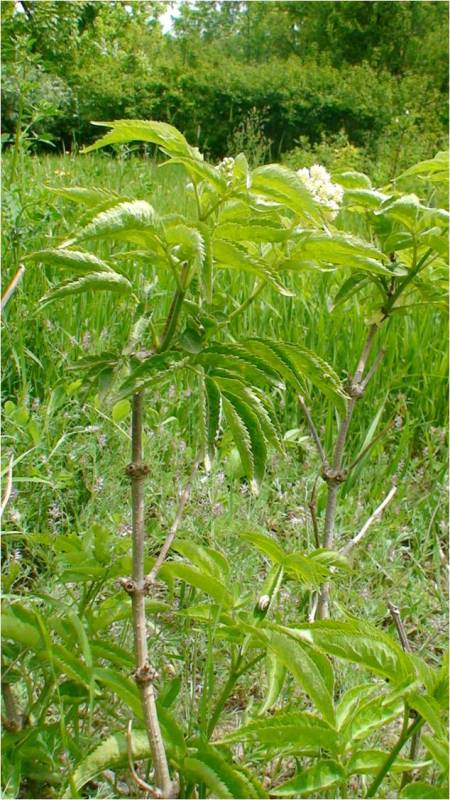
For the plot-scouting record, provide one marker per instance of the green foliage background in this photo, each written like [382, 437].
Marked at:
[364, 81]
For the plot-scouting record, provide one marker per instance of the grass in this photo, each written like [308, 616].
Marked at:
[70, 456]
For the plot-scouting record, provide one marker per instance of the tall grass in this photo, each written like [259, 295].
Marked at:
[38, 346]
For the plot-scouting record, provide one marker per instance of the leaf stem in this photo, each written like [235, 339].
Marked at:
[384, 769]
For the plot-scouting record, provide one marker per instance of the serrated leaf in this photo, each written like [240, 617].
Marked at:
[367, 718]
[110, 754]
[307, 670]
[276, 674]
[75, 260]
[438, 749]
[168, 138]
[234, 256]
[283, 186]
[265, 544]
[352, 699]
[306, 569]
[360, 643]
[206, 583]
[431, 166]
[295, 363]
[340, 249]
[207, 559]
[251, 232]
[186, 243]
[123, 687]
[364, 762]
[313, 779]
[209, 766]
[287, 728]
[419, 790]
[430, 710]
[93, 197]
[135, 221]
[150, 371]
[93, 281]
[248, 436]
[352, 180]
[202, 170]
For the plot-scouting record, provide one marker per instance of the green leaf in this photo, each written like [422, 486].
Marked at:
[124, 688]
[186, 244]
[251, 232]
[209, 766]
[110, 754]
[295, 363]
[430, 710]
[438, 749]
[207, 559]
[276, 674]
[360, 643]
[168, 138]
[352, 699]
[75, 260]
[202, 170]
[150, 371]
[135, 221]
[93, 197]
[307, 668]
[364, 762]
[313, 779]
[266, 545]
[421, 791]
[352, 180]
[248, 437]
[431, 167]
[287, 729]
[234, 256]
[368, 717]
[93, 281]
[120, 410]
[206, 583]
[284, 186]
[210, 415]
[306, 569]
[340, 249]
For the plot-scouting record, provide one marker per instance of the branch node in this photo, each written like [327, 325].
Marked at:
[137, 470]
[145, 674]
[333, 476]
[128, 584]
[355, 389]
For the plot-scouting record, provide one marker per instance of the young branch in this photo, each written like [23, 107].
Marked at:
[143, 785]
[312, 505]
[144, 674]
[151, 577]
[13, 721]
[415, 739]
[313, 430]
[8, 488]
[335, 475]
[373, 517]
[12, 286]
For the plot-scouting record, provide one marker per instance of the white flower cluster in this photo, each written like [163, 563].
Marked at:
[226, 168]
[318, 181]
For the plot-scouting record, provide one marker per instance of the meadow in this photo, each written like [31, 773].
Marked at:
[66, 526]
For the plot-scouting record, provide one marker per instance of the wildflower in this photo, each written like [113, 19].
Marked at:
[99, 484]
[86, 340]
[91, 428]
[48, 324]
[54, 511]
[217, 509]
[318, 182]
[15, 516]
[102, 440]
[226, 169]
[398, 422]
[35, 404]
[73, 341]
